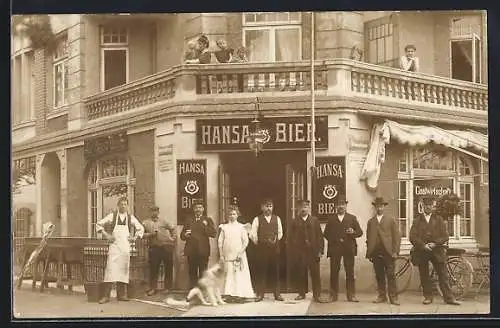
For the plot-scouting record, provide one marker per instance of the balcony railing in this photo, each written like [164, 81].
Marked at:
[340, 77]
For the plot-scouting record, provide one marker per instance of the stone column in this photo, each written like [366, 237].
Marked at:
[38, 193]
[76, 76]
[213, 25]
[337, 33]
[63, 201]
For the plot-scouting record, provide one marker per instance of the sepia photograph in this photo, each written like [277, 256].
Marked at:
[249, 164]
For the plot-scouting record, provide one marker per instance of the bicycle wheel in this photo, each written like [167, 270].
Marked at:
[403, 272]
[460, 273]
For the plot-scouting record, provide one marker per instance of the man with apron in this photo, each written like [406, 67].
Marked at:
[120, 228]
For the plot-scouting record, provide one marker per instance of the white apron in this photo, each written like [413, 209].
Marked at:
[117, 267]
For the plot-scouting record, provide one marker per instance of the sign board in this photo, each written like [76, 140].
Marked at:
[165, 157]
[434, 188]
[329, 182]
[191, 185]
[277, 133]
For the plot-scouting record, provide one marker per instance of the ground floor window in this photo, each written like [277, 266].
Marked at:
[434, 172]
[108, 179]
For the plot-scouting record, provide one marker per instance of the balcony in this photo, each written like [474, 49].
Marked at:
[344, 78]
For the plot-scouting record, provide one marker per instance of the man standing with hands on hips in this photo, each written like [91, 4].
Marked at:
[162, 237]
[121, 229]
[382, 247]
[341, 232]
[196, 233]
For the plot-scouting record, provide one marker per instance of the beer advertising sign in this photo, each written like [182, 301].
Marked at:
[329, 182]
[433, 188]
[277, 132]
[191, 186]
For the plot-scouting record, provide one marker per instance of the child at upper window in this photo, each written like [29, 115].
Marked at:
[224, 54]
[191, 55]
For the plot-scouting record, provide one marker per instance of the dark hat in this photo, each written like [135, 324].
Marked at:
[267, 201]
[379, 201]
[341, 200]
[304, 202]
[154, 208]
[427, 200]
[197, 202]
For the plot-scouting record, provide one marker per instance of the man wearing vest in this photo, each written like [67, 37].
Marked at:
[266, 233]
[121, 229]
[307, 243]
[162, 237]
[196, 233]
[341, 232]
[429, 236]
[383, 241]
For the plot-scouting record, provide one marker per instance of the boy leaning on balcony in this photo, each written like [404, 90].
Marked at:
[409, 62]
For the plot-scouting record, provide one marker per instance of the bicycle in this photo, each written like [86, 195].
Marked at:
[460, 273]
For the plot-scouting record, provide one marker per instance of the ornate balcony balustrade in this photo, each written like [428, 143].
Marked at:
[337, 77]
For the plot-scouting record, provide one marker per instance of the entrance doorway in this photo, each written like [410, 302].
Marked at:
[279, 175]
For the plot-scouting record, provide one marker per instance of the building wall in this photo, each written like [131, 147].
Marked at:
[141, 152]
[170, 43]
[77, 193]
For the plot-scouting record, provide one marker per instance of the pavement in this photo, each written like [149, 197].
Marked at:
[55, 303]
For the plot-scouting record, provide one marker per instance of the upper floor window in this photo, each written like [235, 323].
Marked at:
[23, 83]
[114, 56]
[381, 41]
[465, 48]
[60, 72]
[273, 36]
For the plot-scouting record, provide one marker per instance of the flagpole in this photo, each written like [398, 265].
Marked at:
[313, 125]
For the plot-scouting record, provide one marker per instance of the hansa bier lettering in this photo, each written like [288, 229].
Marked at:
[225, 134]
[186, 167]
[329, 169]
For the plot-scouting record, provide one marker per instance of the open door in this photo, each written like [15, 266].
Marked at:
[295, 190]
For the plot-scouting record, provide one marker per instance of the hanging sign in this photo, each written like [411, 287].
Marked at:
[191, 186]
[277, 133]
[165, 157]
[433, 188]
[329, 181]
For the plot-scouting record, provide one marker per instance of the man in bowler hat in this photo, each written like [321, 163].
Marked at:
[341, 232]
[307, 244]
[429, 236]
[196, 233]
[266, 233]
[383, 241]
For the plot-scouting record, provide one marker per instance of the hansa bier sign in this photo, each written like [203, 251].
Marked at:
[191, 186]
[329, 183]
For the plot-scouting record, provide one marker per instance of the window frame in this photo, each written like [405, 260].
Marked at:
[375, 23]
[127, 59]
[113, 46]
[97, 188]
[24, 112]
[474, 38]
[272, 27]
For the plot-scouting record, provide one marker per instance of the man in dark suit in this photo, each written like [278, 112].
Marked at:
[383, 241]
[196, 232]
[307, 244]
[429, 236]
[341, 232]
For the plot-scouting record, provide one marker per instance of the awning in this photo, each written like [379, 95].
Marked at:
[470, 142]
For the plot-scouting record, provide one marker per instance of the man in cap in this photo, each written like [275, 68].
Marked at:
[341, 232]
[196, 233]
[429, 236]
[162, 237]
[383, 241]
[307, 244]
[266, 233]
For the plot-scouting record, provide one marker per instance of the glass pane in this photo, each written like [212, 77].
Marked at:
[402, 190]
[402, 228]
[295, 16]
[477, 63]
[260, 17]
[58, 84]
[465, 228]
[287, 45]
[257, 42]
[461, 60]
[249, 18]
[372, 52]
[389, 49]
[115, 68]
[402, 208]
[110, 195]
[93, 175]
[467, 210]
[380, 50]
[282, 16]
[430, 159]
[468, 192]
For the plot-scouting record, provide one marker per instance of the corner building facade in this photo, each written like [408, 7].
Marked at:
[114, 112]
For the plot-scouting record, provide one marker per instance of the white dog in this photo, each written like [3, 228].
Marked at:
[210, 284]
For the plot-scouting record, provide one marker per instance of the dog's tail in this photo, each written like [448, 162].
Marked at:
[174, 302]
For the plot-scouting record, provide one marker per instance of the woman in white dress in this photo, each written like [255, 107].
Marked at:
[233, 241]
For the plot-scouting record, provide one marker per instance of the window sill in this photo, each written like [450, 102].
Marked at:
[56, 112]
[22, 125]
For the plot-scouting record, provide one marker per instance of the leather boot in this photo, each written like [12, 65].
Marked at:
[106, 291]
[122, 291]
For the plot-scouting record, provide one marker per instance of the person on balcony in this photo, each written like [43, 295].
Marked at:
[204, 55]
[429, 236]
[409, 62]
[162, 237]
[196, 233]
[240, 56]
[383, 241]
[341, 232]
[121, 228]
[266, 233]
[224, 54]
[192, 54]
